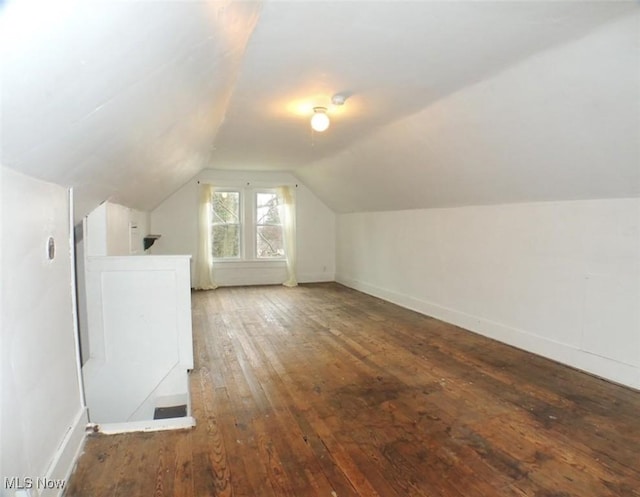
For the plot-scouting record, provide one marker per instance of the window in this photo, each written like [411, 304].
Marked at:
[268, 232]
[225, 225]
[246, 225]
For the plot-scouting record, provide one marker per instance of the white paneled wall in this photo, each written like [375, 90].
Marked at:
[561, 279]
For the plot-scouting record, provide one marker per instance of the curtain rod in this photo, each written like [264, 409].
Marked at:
[248, 183]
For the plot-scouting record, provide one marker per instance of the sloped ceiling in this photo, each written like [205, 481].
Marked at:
[128, 100]
[121, 100]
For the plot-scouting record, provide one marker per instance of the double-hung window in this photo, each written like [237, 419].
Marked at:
[246, 225]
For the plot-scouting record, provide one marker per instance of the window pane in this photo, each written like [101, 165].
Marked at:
[267, 208]
[225, 240]
[269, 241]
[226, 207]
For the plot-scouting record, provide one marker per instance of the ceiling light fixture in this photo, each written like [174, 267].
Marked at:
[320, 120]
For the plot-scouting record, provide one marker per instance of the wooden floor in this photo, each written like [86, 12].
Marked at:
[324, 391]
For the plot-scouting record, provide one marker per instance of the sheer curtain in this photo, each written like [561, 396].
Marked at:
[288, 217]
[203, 279]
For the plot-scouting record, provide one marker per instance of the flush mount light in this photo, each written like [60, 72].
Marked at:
[320, 120]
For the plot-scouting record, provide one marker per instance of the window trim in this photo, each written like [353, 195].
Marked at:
[248, 211]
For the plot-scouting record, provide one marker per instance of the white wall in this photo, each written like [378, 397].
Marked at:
[560, 279]
[176, 220]
[43, 418]
[113, 229]
[110, 229]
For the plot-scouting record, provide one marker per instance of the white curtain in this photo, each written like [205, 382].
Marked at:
[288, 218]
[203, 279]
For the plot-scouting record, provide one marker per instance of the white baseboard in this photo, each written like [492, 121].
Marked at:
[624, 374]
[67, 454]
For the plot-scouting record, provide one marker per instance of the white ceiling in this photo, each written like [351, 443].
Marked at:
[121, 100]
[128, 100]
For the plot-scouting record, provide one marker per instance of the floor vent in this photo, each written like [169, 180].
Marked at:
[170, 412]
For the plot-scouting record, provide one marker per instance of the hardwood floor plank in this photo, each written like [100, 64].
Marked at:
[211, 463]
[321, 391]
[182, 465]
[286, 433]
[298, 409]
[240, 410]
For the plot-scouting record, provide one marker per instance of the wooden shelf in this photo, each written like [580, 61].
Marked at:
[149, 240]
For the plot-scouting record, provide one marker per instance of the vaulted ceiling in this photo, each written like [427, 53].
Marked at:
[450, 103]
